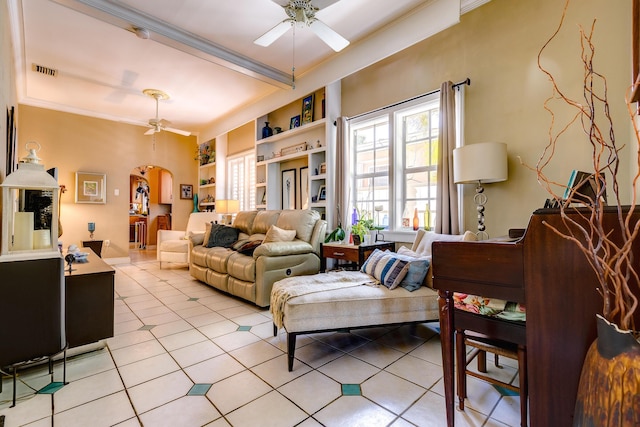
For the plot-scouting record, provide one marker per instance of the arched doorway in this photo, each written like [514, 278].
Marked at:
[150, 206]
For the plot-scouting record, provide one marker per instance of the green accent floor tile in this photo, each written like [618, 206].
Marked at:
[51, 388]
[244, 328]
[351, 390]
[199, 390]
[505, 391]
[146, 327]
[193, 299]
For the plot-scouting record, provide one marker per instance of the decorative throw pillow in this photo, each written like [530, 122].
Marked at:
[424, 246]
[239, 244]
[207, 232]
[221, 235]
[416, 272]
[249, 247]
[277, 234]
[385, 267]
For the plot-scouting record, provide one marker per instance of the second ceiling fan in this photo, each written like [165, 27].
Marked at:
[303, 13]
[157, 124]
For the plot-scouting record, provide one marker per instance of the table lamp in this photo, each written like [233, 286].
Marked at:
[227, 208]
[482, 163]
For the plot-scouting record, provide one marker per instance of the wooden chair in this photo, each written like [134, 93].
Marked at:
[483, 345]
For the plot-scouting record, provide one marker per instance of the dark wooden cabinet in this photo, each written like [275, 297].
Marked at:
[355, 255]
[32, 304]
[89, 301]
[561, 297]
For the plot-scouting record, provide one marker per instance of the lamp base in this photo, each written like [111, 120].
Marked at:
[480, 200]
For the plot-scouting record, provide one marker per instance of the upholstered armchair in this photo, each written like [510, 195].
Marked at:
[173, 245]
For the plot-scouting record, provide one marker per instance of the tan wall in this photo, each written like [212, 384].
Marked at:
[73, 143]
[241, 139]
[496, 46]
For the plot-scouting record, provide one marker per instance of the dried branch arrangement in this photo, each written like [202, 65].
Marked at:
[612, 262]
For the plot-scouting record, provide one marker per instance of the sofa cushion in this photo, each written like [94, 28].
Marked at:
[222, 235]
[242, 267]
[263, 221]
[303, 221]
[386, 267]
[277, 234]
[244, 221]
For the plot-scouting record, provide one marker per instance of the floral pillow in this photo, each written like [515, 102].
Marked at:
[490, 306]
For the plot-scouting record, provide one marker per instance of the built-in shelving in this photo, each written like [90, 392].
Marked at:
[313, 146]
[207, 182]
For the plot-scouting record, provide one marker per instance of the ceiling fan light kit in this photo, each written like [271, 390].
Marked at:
[302, 13]
[157, 124]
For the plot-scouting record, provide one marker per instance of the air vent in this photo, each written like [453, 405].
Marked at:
[44, 70]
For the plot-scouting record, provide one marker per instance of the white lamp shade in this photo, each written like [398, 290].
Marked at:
[226, 207]
[485, 162]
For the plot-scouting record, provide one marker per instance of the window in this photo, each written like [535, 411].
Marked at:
[241, 179]
[394, 155]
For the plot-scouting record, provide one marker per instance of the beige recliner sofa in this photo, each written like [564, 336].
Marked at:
[252, 276]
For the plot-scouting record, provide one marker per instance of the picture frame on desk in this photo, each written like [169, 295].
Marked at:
[295, 122]
[307, 109]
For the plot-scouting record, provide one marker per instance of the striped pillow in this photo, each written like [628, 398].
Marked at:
[385, 267]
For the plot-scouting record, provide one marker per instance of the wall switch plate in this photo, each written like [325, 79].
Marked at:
[116, 192]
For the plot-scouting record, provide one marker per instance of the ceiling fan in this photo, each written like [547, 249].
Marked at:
[302, 13]
[157, 124]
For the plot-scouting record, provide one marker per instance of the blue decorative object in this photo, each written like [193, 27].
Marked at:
[266, 130]
[195, 203]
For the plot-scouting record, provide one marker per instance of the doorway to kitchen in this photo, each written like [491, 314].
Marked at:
[150, 205]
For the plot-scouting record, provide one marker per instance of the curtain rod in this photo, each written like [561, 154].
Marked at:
[466, 81]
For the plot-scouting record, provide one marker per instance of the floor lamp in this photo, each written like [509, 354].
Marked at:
[227, 208]
[482, 163]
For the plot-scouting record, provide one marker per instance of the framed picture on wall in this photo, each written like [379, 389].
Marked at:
[307, 110]
[304, 187]
[91, 187]
[186, 191]
[289, 189]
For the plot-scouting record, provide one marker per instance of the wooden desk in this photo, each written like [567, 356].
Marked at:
[89, 301]
[356, 255]
[560, 293]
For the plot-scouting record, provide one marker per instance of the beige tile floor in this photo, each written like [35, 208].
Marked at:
[185, 354]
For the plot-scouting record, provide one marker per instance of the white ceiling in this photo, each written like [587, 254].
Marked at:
[102, 67]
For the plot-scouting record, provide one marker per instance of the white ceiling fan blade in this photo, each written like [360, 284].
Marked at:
[273, 34]
[178, 131]
[327, 35]
[150, 131]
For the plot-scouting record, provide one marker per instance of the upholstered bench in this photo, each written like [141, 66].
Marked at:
[342, 301]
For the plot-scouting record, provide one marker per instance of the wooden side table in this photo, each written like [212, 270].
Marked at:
[355, 255]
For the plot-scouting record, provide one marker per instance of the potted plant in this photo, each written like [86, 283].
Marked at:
[610, 379]
[362, 227]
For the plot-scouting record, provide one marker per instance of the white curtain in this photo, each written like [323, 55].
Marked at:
[342, 179]
[447, 215]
